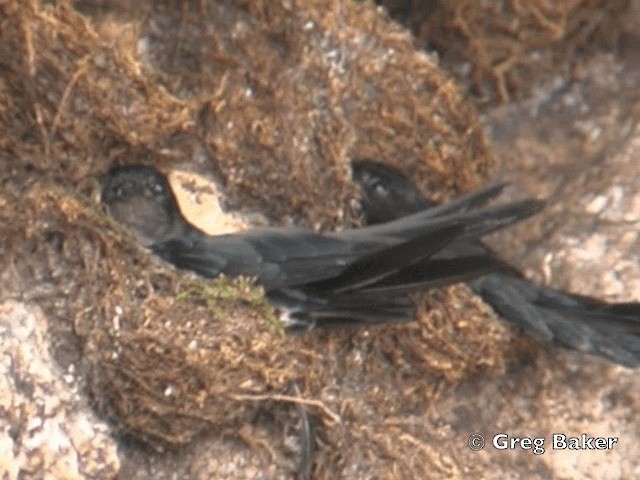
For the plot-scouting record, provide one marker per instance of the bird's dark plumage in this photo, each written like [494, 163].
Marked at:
[583, 323]
[354, 276]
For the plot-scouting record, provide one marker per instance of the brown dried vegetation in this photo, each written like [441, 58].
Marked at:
[277, 100]
[510, 43]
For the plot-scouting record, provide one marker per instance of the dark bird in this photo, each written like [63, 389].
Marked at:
[362, 275]
[574, 321]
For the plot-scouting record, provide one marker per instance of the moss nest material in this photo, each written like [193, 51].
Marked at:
[275, 99]
[509, 44]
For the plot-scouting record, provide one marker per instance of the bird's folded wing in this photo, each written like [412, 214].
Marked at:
[345, 261]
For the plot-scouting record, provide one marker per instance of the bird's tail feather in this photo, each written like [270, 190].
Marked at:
[582, 323]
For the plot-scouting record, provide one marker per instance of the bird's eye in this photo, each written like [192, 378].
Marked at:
[379, 187]
[157, 188]
[121, 189]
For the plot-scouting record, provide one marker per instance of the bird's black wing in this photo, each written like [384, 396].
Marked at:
[275, 257]
[348, 261]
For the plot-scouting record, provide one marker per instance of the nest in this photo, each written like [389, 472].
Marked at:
[277, 101]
